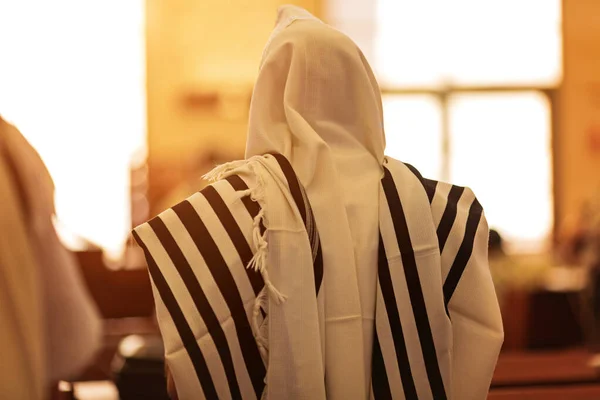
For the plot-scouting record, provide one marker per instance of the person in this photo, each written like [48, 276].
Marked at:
[317, 267]
[49, 326]
[502, 266]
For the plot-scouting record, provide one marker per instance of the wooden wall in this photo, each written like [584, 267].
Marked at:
[577, 144]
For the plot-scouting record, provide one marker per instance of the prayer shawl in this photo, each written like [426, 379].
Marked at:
[248, 302]
[437, 327]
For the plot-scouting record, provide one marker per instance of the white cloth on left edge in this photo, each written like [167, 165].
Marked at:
[71, 325]
[23, 355]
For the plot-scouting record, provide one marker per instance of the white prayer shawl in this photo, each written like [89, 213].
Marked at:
[253, 302]
[438, 330]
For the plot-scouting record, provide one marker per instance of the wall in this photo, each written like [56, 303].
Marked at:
[203, 58]
[577, 144]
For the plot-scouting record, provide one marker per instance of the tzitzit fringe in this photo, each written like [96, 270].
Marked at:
[259, 260]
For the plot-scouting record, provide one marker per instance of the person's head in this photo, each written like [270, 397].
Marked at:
[495, 244]
[315, 92]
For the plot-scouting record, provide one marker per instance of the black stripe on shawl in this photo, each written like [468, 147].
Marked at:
[414, 286]
[252, 206]
[185, 332]
[293, 183]
[379, 379]
[391, 306]
[235, 234]
[464, 252]
[428, 184]
[449, 215]
[200, 300]
[318, 268]
[226, 284]
[238, 184]
[296, 191]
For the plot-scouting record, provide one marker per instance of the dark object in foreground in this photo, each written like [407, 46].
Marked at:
[139, 368]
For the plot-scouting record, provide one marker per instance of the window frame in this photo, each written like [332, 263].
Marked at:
[443, 94]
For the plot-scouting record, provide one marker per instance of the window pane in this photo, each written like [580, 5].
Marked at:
[467, 42]
[77, 93]
[501, 149]
[407, 43]
[413, 126]
[508, 42]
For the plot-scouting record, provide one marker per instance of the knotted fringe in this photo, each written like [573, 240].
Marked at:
[257, 194]
[261, 331]
[259, 260]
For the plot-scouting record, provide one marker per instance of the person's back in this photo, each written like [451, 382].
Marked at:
[318, 268]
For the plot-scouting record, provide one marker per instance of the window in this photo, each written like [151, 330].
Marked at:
[467, 42]
[467, 90]
[421, 115]
[72, 80]
[501, 148]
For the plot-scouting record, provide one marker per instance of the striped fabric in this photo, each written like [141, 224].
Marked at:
[400, 371]
[301, 200]
[209, 304]
[205, 289]
[197, 252]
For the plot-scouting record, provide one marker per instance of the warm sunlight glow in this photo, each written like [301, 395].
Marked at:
[72, 80]
[468, 42]
[501, 149]
[413, 126]
[498, 143]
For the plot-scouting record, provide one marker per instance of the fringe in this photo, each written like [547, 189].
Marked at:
[224, 170]
[261, 337]
[261, 245]
[257, 194]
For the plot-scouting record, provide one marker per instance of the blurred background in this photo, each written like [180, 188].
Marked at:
[130, 102]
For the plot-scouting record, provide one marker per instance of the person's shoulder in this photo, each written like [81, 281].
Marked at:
[442, 194]
[429, 185]
[224, 198]
[232, 195]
